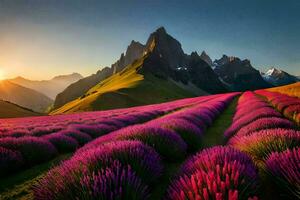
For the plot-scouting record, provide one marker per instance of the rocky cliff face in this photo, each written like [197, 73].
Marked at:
[239, 75]
[206, 58]
[168, 60]
[134, 51]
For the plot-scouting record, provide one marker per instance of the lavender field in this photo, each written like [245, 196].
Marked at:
[227, 146]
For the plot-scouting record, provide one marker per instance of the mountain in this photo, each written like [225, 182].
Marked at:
[24, 97]
[134, 51]
[10, 110]
[279, 77]
[167, 60]
[157, 71]
[206, 58]
[239, 75]
[51, 87]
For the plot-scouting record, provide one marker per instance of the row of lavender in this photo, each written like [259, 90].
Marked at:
[259, 139]
[25, 150]
[39, 126]
[271, 141]
[287, 105]
[125, 164]
[18, 151]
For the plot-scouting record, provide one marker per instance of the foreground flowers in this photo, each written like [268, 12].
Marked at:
[215, 173]
[117, 170]
[284, 168]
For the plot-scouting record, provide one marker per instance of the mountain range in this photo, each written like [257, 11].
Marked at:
[239, 75]
[158, 71]
[50, 87]
[155, 72]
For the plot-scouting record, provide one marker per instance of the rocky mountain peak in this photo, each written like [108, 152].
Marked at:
[273, 71]
[161, 30]
[278, 77]
[166, 47]
[206, 58]
[134, 51]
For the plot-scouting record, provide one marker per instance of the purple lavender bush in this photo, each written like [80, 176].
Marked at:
[265, 123]
[10, 161]
[64, 181]
[249, 118]
[114, 182]
[33, 149]
[190, 133]
[80, 137]
[259, 145]
[284, 170]
[93, 130]
[166, 142]
[215, 173]
[62, 142]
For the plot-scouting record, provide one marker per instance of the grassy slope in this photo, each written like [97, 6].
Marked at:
[213, 136]
[127, 78]
[10, 110]
[291, 90]
[125, 89]
[18, 186]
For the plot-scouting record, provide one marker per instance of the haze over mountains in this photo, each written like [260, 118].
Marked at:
[24, 97]
[50, 87]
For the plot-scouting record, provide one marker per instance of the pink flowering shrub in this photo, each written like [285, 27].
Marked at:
[215, 173]
[87, 168]
[265, 123]
[259, 145]
[109, 183]
[283, 168]
[10, 161]
[33, 149]
[62, 142]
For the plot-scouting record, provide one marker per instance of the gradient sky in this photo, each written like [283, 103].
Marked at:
[40, 39]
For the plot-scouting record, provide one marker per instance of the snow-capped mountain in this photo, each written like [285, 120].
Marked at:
[278, 77]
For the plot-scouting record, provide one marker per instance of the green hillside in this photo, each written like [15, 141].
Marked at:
[125, 89]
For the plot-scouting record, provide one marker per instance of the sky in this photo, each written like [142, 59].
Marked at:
[40, 39]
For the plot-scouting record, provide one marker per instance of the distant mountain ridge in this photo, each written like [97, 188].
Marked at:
[50, 87]
[279, 77]
[24, 97]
